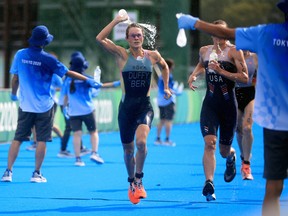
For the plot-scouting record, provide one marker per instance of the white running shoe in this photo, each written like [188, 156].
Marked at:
[37, 178]
[31, 147]
[79, 162]
[169, 143]
[65, 154]
[157, 141]
[96, 158]
[7, 176]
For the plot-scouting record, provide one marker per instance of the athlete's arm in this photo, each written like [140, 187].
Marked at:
[107, 44]
[199, 69]
[255, 58]
[242, 73]
[156, 58]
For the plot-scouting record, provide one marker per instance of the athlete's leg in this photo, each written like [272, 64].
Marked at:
[142, 132]
[247, 139]
[129, 158]
[239, 131]
[209, 160]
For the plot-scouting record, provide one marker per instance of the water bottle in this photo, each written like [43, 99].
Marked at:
[97, 74]
[213, 57]
[123, 12]
[181, 39]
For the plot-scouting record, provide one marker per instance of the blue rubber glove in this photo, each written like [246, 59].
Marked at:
[93, 83]
[187, 22]
[179, 89]
[65, 112]
[13, 97]
[116, 83]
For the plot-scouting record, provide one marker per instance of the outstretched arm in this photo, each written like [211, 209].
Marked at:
[190, 22]
[79, 76]
[111, 84]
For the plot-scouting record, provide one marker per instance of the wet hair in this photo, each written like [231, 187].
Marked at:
[220, 22]
[134, 25]
[170, 62]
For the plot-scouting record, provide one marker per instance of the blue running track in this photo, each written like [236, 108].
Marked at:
[173, 180]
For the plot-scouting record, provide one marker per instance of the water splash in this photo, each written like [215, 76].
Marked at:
[149, 30]
[150, 34]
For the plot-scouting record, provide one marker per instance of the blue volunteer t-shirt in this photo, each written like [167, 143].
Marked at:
[35, 69]
[81, 100]
[270, 42]
[56, 84]
[160, 96]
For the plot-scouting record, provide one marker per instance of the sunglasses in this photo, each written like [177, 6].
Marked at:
[135, 35]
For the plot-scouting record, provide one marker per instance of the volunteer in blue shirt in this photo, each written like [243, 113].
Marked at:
[32, 70]
[166, 107]
[64, 153]
[55, 86]
[81, 109]
[270, 43]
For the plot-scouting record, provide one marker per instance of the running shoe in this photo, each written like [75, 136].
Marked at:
[208, 191]
[65, 154]
[230, 171]
[7, 176]
[169, 143]
[84, 151]
[139, 192]
[96, 158]
[246, 172]
[157, 141]
[37, 178]
[79, 162]
[31, 147]
[131, 191]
